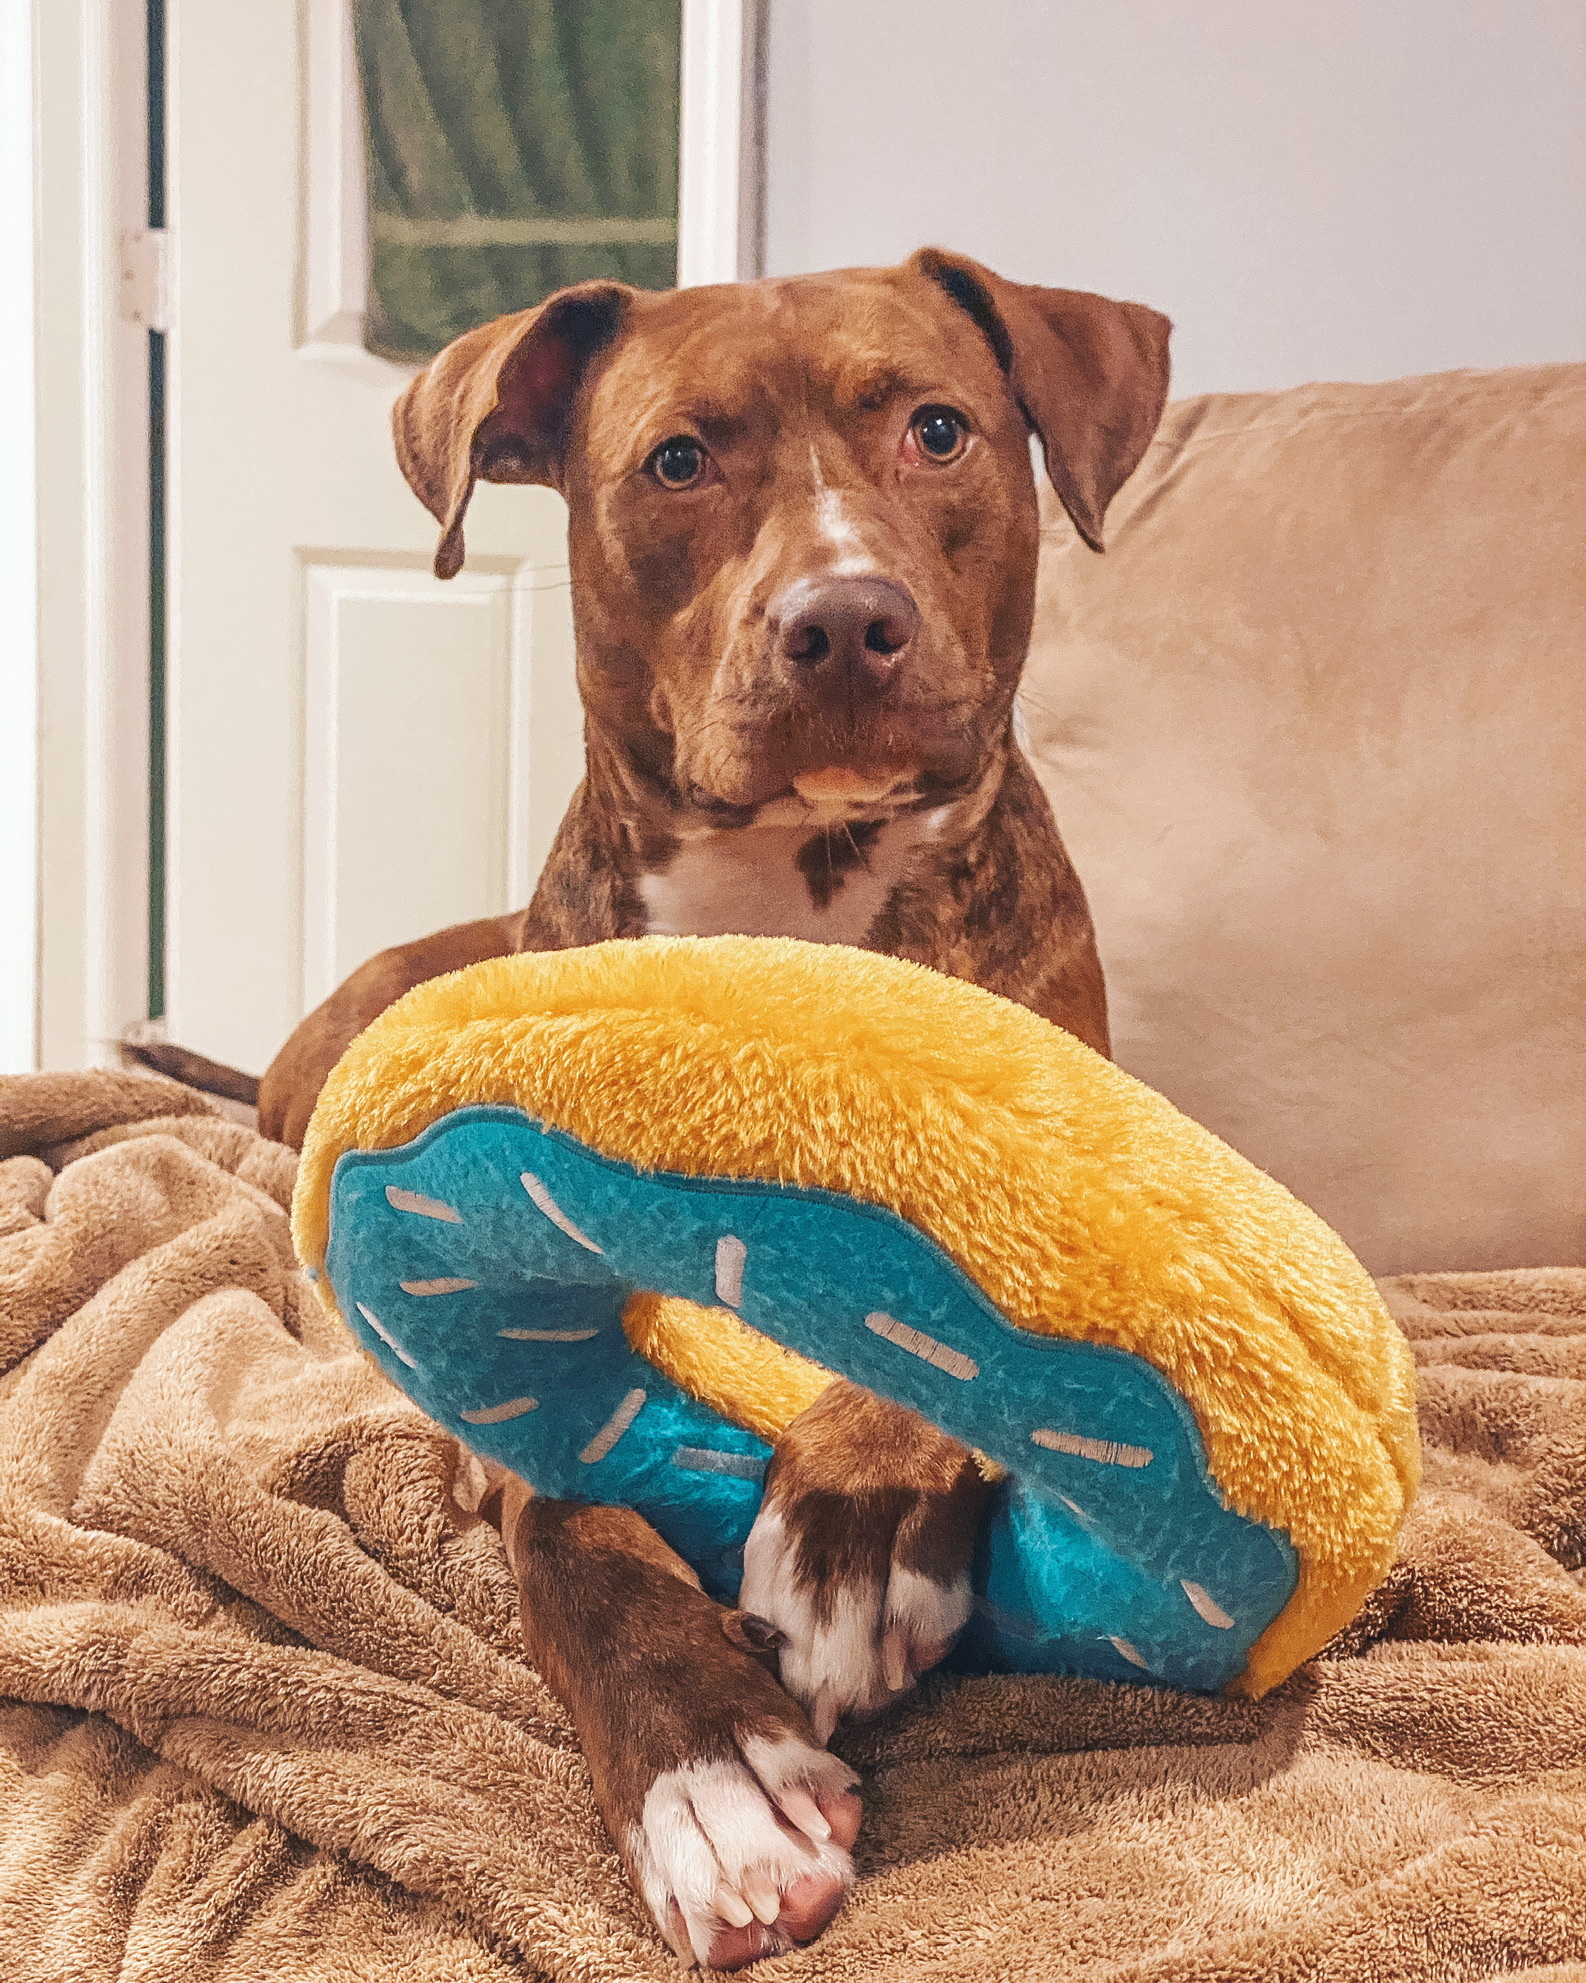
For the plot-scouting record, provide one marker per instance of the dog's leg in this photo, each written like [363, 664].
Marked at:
[733, 1822]
[860, 1555]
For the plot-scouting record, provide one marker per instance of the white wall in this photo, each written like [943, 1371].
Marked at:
[1351, 189]
[18, 545]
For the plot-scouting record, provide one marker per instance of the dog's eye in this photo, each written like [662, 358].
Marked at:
[939, 433]
[678, 463]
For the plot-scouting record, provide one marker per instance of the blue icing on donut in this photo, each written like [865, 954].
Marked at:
[486, 1266]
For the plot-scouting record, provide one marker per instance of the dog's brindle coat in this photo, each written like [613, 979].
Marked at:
[803, 534]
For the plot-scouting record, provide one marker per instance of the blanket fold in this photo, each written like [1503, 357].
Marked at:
[266, 1714]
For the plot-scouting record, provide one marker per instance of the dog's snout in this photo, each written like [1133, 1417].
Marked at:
[853, 623]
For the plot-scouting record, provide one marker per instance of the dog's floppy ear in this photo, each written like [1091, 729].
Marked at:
[1090, 374]
[496, 404]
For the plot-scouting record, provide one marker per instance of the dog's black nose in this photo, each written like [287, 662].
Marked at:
[862, 625]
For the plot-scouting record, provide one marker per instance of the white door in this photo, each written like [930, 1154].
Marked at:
[357, 753]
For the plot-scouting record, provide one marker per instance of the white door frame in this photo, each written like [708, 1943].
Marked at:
[721, 151]
[74, 633]
[74, 918]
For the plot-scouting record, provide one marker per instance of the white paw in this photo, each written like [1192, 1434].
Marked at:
[745, 1857]
[849, 1646]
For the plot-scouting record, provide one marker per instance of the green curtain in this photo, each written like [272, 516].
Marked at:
[514, 146]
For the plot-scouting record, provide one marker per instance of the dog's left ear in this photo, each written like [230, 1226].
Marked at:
[496, 405]
[1090, 374]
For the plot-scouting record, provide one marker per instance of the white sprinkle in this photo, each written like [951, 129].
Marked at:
[917, 1343]
[549, 1335]
[613, 1429]
[709, 1459]
[554, 1212]
[731, 1253]
[435, 1287]
[499, 1414]
[427, 1208]
[1105, 1450]
[1134, 1658]
[386, 1336]
[1206, 1605]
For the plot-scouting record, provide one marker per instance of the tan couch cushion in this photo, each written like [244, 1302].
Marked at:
[1315, 732]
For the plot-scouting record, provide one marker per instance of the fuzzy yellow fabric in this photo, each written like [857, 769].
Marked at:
[1082, 1203]
[716, 1357]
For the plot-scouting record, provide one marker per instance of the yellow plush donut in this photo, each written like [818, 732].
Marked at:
[616, 1215]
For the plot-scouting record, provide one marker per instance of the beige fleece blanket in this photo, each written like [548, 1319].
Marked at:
[266, 1718]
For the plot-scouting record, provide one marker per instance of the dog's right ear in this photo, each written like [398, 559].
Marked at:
[496, 405]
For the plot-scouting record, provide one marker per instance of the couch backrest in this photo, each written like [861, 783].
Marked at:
[1314, 729]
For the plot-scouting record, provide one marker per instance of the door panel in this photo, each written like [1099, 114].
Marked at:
[407, 760]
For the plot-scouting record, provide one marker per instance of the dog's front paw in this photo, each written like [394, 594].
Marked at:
[733, 1824]
[855, 1635]
[744, 1854]
[860, 1554]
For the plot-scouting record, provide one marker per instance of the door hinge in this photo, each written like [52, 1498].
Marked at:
[143, 278]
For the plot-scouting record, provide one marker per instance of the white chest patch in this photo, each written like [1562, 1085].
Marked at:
[780, 881]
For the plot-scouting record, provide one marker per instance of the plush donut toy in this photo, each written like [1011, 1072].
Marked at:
[616, 1216]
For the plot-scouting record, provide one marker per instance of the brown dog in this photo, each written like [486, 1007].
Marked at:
[803, 533]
